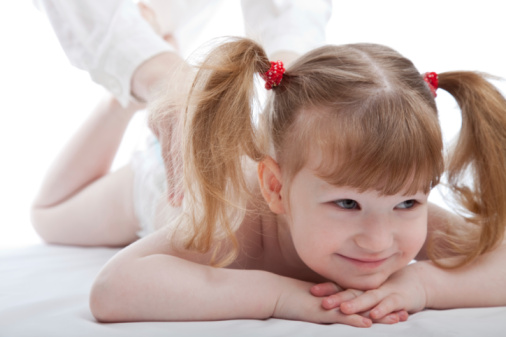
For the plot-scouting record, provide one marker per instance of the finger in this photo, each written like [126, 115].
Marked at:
[355, 320]
[403, 315]
[336, 316]
[336, 300]
[325, 289]
[149, 15]
[386, 306]
[364, 302]
[391, 318]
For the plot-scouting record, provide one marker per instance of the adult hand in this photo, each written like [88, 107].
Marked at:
[154, 73]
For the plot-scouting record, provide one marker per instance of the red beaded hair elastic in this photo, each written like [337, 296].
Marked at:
[274, 75]
[432, 80]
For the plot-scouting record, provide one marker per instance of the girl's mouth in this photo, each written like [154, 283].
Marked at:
[364, 263]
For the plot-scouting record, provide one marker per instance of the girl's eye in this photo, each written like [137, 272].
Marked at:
[347, 204]
[407, 204]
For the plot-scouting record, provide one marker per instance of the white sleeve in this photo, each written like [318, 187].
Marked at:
[287, 25]
[109, 39]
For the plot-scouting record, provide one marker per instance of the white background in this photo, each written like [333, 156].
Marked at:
[44, 99]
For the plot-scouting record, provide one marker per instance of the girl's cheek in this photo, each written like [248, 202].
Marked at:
[415, 238]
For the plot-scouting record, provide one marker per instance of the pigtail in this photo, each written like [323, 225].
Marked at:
[480, 154]
[218, 133]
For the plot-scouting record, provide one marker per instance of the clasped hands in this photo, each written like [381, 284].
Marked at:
[401, 294]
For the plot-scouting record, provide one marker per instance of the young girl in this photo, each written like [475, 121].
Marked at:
[315, 211]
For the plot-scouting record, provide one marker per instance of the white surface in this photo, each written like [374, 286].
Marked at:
[44, 292]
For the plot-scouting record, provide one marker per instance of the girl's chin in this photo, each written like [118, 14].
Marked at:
[363, 283]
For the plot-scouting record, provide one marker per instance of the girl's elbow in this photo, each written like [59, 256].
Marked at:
[113, 293]
[104, 302]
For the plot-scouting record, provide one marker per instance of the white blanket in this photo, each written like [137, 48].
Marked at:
[44, 292]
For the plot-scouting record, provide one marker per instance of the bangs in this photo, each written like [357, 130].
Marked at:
[389, 143]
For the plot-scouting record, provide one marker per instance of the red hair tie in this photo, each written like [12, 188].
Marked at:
[432, 80]
[274, 75]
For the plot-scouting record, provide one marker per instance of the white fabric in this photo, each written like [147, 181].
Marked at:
[44, 292]
[110, 39]
[150, 185]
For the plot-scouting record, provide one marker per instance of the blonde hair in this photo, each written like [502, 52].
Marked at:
[479, 154]
[365, 109]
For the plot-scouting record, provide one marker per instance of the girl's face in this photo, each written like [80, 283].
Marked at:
[354, 239]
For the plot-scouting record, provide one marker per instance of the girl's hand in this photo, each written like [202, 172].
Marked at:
[334, 296]
[295, 302]
[401, 293]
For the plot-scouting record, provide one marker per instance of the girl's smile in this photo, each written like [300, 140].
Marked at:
[364, 263]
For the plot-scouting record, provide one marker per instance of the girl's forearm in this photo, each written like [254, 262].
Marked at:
[166, 288]
[479, 284]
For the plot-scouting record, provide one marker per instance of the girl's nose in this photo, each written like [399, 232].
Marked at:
[376, 235]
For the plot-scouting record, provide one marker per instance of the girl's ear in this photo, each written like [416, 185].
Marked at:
[269, 177]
